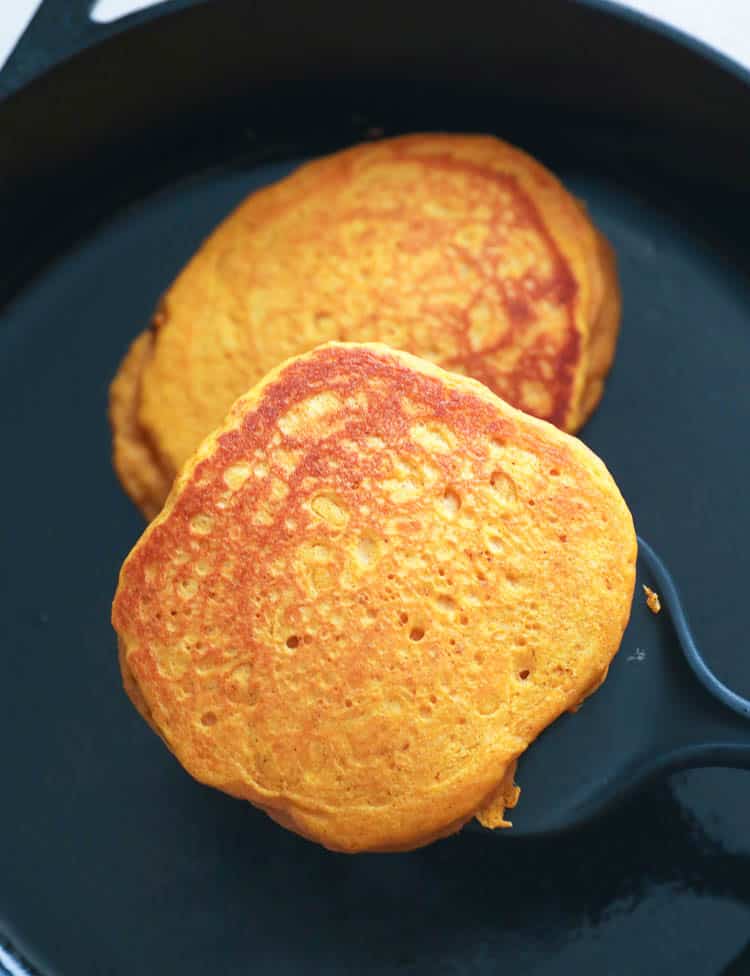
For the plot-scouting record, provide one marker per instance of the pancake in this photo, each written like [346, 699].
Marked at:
[461, 249]
[136, 464]
[368, 592]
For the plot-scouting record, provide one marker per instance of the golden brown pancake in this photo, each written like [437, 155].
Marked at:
[368, 592]
[136, 464]
[461, 249]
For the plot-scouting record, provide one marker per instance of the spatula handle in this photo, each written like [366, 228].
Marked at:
[728, 737]
[671, 598]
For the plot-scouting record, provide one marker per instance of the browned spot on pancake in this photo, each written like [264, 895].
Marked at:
[549, 280]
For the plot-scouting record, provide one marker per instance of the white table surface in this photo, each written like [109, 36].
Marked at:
[724, 24]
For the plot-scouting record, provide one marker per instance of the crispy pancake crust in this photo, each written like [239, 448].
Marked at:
[461, 249]
[140, 472]
[368, 592]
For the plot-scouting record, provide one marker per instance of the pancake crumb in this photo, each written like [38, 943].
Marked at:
[652, 599]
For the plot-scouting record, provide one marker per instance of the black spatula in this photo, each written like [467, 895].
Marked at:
[660, 709]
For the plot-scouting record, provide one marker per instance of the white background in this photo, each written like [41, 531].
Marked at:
[724, 24]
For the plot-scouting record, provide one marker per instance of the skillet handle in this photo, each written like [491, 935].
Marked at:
[60, 29]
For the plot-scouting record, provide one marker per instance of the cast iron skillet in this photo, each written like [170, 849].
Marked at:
[114, 163]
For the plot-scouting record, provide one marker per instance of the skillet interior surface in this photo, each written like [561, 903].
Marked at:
[111, 859]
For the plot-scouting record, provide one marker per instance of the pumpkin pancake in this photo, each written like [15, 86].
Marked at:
[136, 464]
[368, 592]
[461, 249]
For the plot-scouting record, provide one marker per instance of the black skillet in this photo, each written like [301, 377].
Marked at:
[119, 150]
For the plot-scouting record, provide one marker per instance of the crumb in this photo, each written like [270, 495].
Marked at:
[652, 599]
